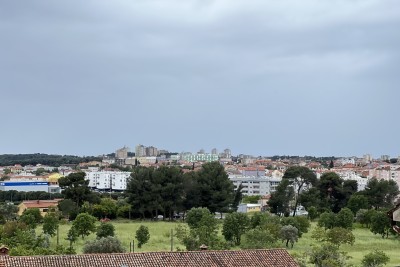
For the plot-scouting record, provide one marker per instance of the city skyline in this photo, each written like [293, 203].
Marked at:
[263, 78]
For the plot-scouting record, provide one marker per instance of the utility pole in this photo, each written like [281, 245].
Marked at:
[172, 240]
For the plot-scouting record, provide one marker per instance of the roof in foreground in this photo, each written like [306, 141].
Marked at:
[238, 258]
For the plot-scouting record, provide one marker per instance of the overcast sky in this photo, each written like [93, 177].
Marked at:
[261, 77]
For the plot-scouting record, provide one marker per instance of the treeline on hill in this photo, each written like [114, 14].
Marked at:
[44, 159]
[18, 196]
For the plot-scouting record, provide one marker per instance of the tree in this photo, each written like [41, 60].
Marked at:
[301, 223]
[238, 197]
[75, 187]
[381, 193]
[331, 165]
[364, 217]
[344, 218]
[105, 229]
[142, 235]
[280, 199]
[257, 239]
[380, 224]
[312, 213]
[40, 171]
[327, 220]
[311, 198]
[108, 244]
[72, 236]
[235, 225]
[50, 224]
[106, 209]
[327, 255]
[29, 220]
[336, 236]
[84, 224]
[170, 180]
[8, 212]
[191, 195]
[139, 189]
[203, 229]
[331, 191]
[36, 214]
[290, 234]
[215, 188]
[68, 208]
[377, 258]
[357, 202]
[251, 199]
[301, 178]
[31, 217]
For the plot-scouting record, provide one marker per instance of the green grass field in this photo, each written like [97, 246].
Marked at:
[160, 240]
[160, 236]
[365, 242]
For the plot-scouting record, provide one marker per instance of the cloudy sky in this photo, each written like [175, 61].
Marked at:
[261, 77]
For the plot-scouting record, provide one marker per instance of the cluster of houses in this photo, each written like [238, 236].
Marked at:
[257, 176]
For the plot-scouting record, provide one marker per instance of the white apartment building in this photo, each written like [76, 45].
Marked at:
[351, 175]
[255, 185]
[345, 161]
[108, 180]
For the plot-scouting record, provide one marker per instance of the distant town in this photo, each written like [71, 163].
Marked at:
[257, 175]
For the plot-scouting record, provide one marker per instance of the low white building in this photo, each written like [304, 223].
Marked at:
[255, 185]
[246, 208]
[108, 180]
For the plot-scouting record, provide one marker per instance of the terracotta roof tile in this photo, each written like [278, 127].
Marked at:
[238, 258]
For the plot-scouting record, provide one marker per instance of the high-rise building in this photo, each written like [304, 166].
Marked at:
[367, 157]
[140, 151]
[214, 151]
[122, 153]
[151, 151]
[227, 153]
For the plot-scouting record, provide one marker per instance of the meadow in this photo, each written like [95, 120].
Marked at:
[160, 240]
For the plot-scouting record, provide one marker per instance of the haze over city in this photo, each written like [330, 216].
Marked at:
[261, 77]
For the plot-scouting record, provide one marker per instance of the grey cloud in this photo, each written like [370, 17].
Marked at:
[263, 77]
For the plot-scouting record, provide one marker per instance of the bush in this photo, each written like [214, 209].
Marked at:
[344, 218]
[257, 239]
[300, 222]
[327, 220]
[312, 213]
[142, 235]
[105, 229]
[376, 258]
[290, 234]
[103, 245]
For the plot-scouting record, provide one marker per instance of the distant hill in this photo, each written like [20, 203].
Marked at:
[44, 159]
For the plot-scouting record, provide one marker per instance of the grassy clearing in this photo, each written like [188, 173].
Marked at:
[365, 242]
[160, 240]
[160, 236]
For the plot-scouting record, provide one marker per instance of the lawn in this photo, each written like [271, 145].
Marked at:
[365, 242]
[160, 240]
[160, 235]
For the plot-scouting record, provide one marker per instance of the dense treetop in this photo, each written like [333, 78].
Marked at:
[44, 159]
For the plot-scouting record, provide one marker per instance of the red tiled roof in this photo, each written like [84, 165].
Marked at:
[238, 258]
[41, 203]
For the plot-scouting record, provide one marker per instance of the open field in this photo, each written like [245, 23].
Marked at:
[160, 240]
[365, 242]
[160, 235]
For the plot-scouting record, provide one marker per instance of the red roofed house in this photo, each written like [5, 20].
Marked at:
[231, 258]
[42, 205]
